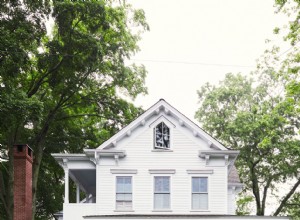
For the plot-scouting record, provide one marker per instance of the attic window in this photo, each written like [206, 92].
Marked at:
[162, 136]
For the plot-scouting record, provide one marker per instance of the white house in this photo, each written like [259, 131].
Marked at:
[160, 166]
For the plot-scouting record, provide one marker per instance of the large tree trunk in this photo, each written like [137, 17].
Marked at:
[38, 155]
[255, 190]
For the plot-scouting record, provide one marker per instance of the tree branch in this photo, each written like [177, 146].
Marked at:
[255, 189]
[286, 198]
[77, 116]
[32, 91]
[265, 192]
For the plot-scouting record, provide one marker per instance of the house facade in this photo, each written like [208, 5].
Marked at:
[160, 166]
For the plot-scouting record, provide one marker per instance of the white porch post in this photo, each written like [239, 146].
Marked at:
[77, 193]
[66, 169]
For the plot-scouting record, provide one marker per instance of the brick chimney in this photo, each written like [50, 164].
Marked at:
[22, 182]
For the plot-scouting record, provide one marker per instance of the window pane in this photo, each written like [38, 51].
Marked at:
[200, 201]
[127, 187]
[161, 201]
[124, 193]
[166, 184]
[124, 184]
[162, 136]
[199, 184]
[162, 184]
[120, 187]
[124, 197]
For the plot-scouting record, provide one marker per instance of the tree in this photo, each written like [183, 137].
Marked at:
[256, 117]
[59, 91]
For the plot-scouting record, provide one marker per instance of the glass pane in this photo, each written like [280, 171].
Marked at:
[166, 184]
[199, 184]
[124, 197]
[195, 184]
[162, 136]
[120, 186]
[200, 201]
[161, 201]
[166, 141]
[157, 184]
[127, 187]
[124, 184]
[162, 184]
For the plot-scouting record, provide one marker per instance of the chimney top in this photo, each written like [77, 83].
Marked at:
[23, 151]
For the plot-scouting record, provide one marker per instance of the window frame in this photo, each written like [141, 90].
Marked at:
[163, 193]
[200, 193]
[123, 208]
[166, 147]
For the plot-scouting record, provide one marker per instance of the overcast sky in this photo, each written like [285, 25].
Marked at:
[192, 42]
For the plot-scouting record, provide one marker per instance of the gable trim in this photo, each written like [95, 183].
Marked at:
[162, 107]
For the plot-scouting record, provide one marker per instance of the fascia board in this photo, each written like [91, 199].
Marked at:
[60, 157]
[218, 153]
[193, 127]
[134, 124]
[108, 153]
[159, 106]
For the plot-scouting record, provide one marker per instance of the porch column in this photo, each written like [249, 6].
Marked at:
[77, 193]
[66, 169]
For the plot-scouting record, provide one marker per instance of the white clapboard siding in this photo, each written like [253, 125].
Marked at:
[231, 201]
[182, 157]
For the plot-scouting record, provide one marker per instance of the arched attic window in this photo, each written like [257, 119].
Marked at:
[162, 136]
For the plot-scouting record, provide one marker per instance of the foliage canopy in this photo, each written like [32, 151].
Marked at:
[59, 88]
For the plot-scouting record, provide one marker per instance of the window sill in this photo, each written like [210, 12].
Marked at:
[162, 210]
[200, 210]
[162, 150]
[123, 210]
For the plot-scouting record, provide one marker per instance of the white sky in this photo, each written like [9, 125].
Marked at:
[192, 42]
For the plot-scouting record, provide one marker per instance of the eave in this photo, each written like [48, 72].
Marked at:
[217, 153]
[162, 107]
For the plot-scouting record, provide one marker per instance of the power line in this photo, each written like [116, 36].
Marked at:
[284, 52]
[154, 61]
[191, 63]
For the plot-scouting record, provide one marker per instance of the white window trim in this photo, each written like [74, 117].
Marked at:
[202, 171]
[132, 193]
[123, 171]
[162, 150]
[162, 171]
[155, 147]
[171, 126]
[153, 192]
[208, 193]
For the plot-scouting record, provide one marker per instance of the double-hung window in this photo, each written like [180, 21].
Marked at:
[161, 192]
[124, 193]
[199, 193]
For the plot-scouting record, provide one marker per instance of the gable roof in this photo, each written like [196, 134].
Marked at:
[162, 106]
